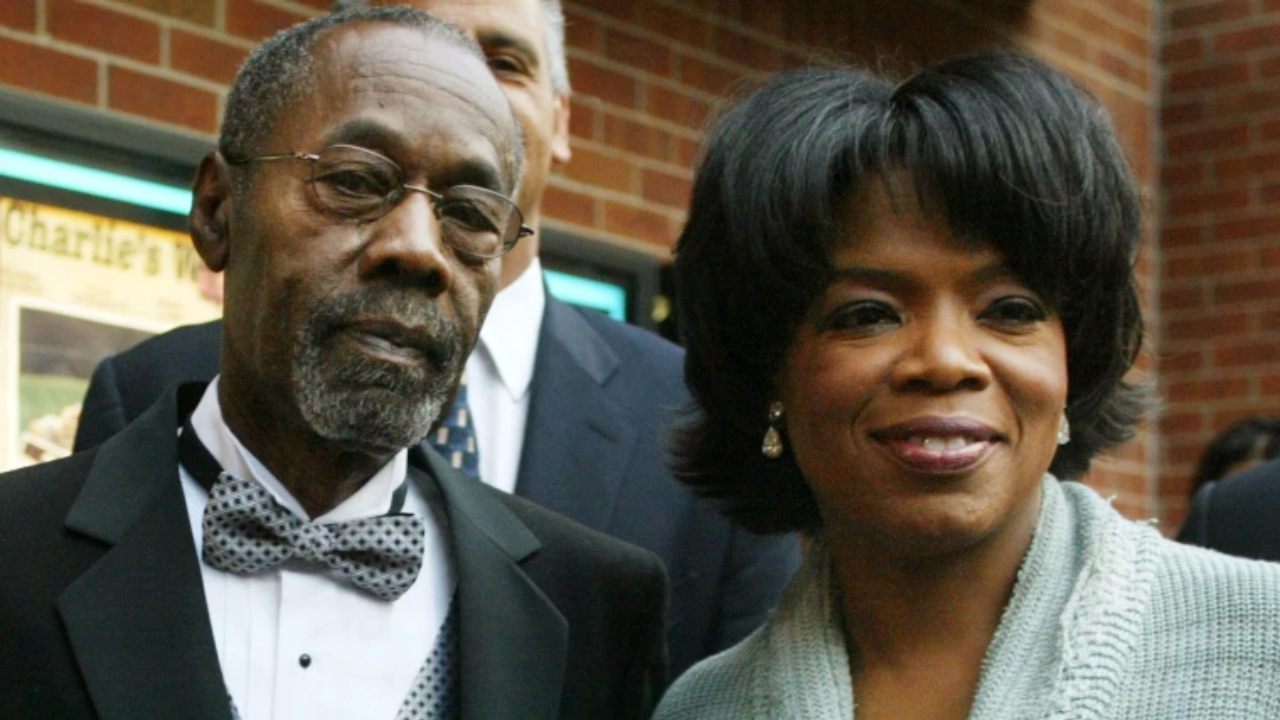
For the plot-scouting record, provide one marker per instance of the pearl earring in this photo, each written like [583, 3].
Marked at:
[772, 445]
[1064, 430]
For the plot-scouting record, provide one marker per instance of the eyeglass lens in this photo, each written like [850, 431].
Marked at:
[358, 184]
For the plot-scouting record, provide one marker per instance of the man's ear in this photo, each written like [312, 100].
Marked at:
[211, 208]
[560, 152]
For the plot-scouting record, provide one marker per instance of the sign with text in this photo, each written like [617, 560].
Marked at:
[74, 288]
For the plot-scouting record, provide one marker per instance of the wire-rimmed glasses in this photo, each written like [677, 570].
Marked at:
[360, 185]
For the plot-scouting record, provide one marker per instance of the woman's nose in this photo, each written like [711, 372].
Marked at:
[943, 354]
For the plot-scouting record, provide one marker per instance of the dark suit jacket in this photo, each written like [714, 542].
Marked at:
[1239, 515]
[103, 615]
[602, 398]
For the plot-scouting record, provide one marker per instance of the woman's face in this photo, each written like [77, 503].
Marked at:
[924, 389]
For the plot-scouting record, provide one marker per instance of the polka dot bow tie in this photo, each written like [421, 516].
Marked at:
[247, 531]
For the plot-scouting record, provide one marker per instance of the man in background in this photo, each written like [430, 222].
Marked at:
[569, 407]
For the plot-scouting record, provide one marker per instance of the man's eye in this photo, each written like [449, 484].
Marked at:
[506, 65]
[356, 183]
[467, 214]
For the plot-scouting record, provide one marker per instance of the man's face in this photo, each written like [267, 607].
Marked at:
[360, 329]
[513, 35]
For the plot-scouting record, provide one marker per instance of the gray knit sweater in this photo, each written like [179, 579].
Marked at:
[1107, 620]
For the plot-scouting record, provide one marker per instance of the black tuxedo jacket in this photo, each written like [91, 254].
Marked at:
[602, 398]
[103, 615]
[1239, 515]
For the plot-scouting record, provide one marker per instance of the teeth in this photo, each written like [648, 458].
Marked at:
[940, 444]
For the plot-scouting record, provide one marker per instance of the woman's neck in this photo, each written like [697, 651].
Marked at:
[918, 628]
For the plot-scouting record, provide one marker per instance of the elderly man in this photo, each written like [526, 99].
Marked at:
[570, 408]
[268, 546]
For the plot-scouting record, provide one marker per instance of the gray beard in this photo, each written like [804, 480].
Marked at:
[352, 399]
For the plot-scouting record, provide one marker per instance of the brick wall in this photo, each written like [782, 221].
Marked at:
[647, 75]
[1220, 238]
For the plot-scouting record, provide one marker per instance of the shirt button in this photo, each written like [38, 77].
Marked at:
[305, 661]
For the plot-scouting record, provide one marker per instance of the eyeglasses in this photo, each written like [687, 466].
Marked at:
[361, 185]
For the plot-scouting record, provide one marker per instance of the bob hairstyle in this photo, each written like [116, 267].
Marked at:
[1009, 151]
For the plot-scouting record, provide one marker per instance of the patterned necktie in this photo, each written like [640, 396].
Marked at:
[455, 435]
[246, 531]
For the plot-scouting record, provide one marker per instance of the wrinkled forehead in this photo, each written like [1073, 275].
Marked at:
[423, 89]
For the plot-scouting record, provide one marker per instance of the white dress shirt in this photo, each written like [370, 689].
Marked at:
[297, 642]
[499, 372]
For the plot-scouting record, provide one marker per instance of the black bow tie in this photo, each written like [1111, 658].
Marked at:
[246, 531]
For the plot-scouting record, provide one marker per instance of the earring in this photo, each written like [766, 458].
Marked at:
[772, 446]
[1064, 430]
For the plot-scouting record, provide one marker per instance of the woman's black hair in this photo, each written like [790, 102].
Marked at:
[1009, 151]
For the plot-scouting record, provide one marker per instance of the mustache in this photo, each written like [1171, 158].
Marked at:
[431, 332]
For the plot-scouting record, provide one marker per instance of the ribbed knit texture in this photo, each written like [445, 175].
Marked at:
[1107, 621]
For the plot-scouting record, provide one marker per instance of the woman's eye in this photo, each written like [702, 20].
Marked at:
[864, 317]
[1016, 311]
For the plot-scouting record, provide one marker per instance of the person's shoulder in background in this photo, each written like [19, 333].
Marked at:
[124, 385]
[1239, 515]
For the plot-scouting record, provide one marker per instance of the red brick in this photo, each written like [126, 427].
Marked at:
[1187, 174]
[1269, 321]
[625, 10]
[1200, 390]
[1268, 257]
[666, 189]
[1269, 385]
[706, 76]
[637, 138]
[1256, 226]
[1270, 130]
[681, 26]
[746, 50]
[1246, 167]
[1246, 354]
[675, 106]
[205, 57]
[201, 12]
[568, 206]
[1269, 68]
[637, 223]
[686, 152]
[591, 80]
[581, 32]
[608, 172]
[1271, 193]
[1191, 202]
[1199, 141]
[1203, 328]
[1207, 78]
[584, 121]
[1180, 364]
[102, 29]
[1187, 113]
[48, 71]
[18, 14]
[766, 17]
[1182, 423]
[253, 20]
[1172, 299]
[1208, 264]
[638, 53]
[1256, 37]
[1211, 13]
[161, 99]
[1181, 51]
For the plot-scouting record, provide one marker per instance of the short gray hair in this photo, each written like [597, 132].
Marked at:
[280, 71]
[553, 18]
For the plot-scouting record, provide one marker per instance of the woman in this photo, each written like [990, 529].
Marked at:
[910, 309]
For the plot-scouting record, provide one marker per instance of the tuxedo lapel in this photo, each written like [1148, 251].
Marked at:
[575, 430]
[137, 620]
[512, 640]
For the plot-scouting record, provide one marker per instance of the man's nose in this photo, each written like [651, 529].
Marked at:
[407, 243]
